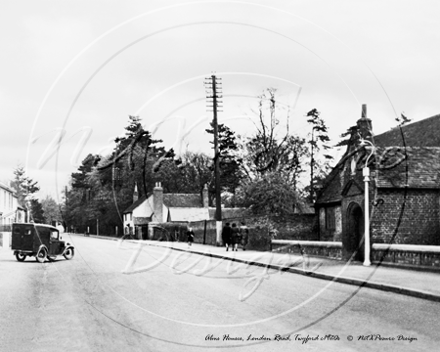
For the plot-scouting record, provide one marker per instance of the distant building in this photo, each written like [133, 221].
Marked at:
[179, 208]
[404, 188]
[161, 208]
[10, 210]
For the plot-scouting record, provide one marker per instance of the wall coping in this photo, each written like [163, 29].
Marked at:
[309, 243]
[376, 246]
[406, 248]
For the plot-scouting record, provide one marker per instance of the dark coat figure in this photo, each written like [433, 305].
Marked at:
[227, 235]
[235, 236]
[190, 236]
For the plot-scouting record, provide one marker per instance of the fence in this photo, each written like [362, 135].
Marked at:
[205, 232]
[298, 227]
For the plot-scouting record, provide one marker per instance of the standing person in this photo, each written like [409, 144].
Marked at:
[235, 237]
[244, 231]
[190, 236]
[226, 236]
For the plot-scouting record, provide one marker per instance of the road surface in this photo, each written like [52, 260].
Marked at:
[131, 296]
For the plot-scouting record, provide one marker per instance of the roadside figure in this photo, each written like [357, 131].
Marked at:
[227, 236]
[190, 236]
[235, 237]
[244, 231]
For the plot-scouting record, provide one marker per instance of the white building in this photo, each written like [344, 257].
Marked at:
[10, 210]
[161, 208]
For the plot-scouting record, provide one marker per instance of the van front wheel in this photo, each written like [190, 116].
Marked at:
[69, 253]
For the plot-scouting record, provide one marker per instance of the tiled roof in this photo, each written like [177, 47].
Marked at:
[422, 163]
[135, 205]
[424, 133]
[331, 191]
[181, 200]
[422, 139]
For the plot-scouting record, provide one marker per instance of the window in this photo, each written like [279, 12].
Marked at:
[330, 221]
[54, 235]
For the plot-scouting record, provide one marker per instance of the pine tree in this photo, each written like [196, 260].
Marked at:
[319, 140]
[24, 186]
[37, 212]
[230, 163]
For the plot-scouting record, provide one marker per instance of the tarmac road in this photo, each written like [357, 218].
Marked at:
[139, 297]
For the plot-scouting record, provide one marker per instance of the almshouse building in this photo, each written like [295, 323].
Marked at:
[404, 187]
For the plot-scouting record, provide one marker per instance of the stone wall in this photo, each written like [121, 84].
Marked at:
[398, 255]
[314, 248]
[407, 255]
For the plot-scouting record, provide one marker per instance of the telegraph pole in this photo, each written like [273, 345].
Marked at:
[212, 95]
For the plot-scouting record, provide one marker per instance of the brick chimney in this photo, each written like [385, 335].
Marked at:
[135, 193]
[364, 124]
[205, 196]
[158, 203]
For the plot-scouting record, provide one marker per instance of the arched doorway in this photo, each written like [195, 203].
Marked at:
[354, 232]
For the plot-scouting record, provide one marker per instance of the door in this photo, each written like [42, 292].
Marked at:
[56, 246]
[22, 237]
[354, 234]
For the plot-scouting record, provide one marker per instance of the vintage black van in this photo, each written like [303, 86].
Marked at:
[39, 241]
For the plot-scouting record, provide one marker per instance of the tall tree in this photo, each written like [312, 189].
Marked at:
[272, 195]
[24, 186]
[51, 210]
[272, 148]
[138, 155]
[37, 212]
[103, 186]
[318, 141]
[230, 162]
[349, 137]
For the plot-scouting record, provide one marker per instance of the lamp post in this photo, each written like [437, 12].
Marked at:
[366, 174]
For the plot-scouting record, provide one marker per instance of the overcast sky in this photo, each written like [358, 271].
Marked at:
[78, 69]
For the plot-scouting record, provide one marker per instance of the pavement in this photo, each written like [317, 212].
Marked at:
[415, 283]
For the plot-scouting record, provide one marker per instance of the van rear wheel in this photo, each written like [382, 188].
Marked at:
[41, 255]
[20, 257]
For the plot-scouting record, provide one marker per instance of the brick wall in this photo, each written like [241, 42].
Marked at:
[298, 227]
[419, 223]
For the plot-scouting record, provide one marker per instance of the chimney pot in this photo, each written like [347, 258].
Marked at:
[364, 111]
[364, 124]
